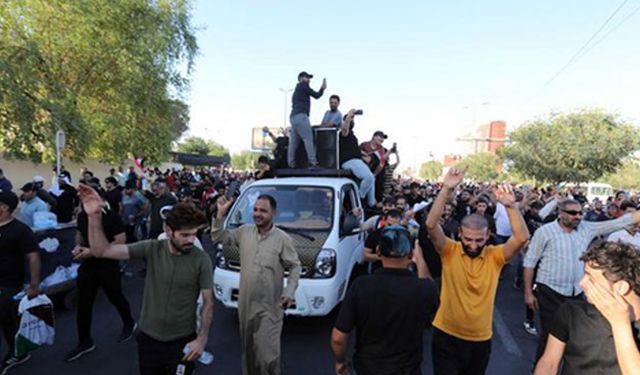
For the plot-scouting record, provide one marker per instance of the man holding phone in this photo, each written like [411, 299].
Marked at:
[300, 124]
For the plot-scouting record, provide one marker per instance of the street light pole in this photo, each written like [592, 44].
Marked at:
[284, 94]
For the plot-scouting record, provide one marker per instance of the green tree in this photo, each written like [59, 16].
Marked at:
[482, 166]
[626, 177]
[200, 146]
[574, 147]
[431, 170]
[245, 160]
[110, 73]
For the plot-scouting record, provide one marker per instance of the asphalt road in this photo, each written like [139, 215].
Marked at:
[305, 341]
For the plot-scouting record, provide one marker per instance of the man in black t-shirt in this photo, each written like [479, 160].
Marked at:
[389, 311]
[160, 198]
[66, 200]
[580, 335]
[391, 217]
[97, 273]
[17, 242]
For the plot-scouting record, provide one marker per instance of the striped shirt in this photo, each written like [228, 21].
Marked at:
[559, 252]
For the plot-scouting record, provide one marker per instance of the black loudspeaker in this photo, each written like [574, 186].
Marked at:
[327, 147]
[301, 156]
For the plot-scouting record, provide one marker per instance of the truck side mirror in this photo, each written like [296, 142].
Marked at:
[349, 225]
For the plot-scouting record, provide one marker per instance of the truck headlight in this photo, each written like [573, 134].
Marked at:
[325, 266]
[221, 261]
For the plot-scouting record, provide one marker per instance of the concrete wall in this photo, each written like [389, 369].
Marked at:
[21, 172]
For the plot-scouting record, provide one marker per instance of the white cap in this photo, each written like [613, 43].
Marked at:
[38, 179]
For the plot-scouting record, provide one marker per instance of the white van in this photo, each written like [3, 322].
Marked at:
[598, 190]
[329, 244]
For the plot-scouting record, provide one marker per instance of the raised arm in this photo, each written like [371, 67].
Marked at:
[100, 247]
[345, 128]
[451, 180]
[218, 233]
[319, 93]
[520, 235]
[599, 228]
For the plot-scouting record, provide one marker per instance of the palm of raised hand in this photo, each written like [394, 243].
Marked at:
[453, 177]
[91, 200]
[505, 195]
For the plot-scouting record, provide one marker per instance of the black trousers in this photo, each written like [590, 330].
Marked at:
[548, 303]
[9, 316]
[163, 357]
[89, 280]
[454, 356]
[130, 231]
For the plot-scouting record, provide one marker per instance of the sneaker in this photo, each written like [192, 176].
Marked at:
[11, 362]
[80, 350]
[530, 328]
[127, 333]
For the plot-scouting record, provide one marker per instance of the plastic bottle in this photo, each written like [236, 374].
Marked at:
[206, 358]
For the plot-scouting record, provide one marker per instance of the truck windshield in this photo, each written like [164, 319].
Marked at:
[298, 207]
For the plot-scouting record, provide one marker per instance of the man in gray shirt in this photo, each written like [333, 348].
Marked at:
[332, 118]
[556, 249]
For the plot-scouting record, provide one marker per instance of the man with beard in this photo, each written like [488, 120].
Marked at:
[265, 252]
[332, 118]
[557, 247]
[470, 271]
[176, 276]
[629, 235]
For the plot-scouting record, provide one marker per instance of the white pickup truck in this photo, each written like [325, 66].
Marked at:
[316, 212]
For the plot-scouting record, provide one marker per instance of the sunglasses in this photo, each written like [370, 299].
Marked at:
[573, 213]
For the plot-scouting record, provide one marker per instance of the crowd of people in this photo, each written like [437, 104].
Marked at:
[434, 257]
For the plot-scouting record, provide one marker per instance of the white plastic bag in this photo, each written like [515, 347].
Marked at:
[44, 220]
[36, 324]
[59, 276]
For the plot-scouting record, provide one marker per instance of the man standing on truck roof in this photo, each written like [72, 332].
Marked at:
[265, 252]
[300, 124]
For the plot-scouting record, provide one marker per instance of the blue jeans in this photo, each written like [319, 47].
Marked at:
[301, 130]
[367, 181]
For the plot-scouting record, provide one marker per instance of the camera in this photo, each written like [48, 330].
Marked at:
[358, 112]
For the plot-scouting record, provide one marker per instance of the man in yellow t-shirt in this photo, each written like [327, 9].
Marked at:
[470, 271]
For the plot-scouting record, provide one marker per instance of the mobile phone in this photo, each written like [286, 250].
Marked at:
[232, 189]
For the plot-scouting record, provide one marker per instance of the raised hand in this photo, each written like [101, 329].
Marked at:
[91, 200]
[324, 84]
[504, 194]
[223, 205]
[454, 177]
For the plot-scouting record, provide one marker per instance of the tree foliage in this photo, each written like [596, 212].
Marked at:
[481, 166]
[110, 73]
[431, 170]
[574, 147]
[245, 160]
[626, 177]
[200, 146]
